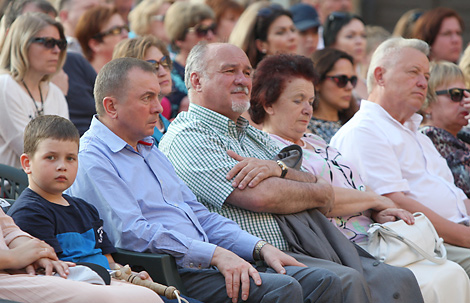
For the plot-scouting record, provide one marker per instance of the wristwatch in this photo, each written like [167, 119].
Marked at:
[257, 250]
[284, 168]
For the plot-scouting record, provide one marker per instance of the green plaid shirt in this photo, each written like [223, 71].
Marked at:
[196, 143]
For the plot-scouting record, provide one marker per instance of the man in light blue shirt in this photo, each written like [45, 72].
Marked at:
[147, 207]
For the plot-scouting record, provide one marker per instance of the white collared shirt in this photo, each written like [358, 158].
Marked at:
[395, 157]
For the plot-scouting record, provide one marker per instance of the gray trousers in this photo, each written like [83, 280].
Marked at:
[321, 281]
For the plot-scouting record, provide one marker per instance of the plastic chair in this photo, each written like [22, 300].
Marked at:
[12, 181]
[161, 267]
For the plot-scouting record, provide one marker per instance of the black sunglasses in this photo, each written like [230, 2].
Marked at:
[456, 94]
[116, 30]
[50, 43]
[164, 61]
[202, 30]
[342, 80]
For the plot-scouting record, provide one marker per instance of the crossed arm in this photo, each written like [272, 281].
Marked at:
[259, 188]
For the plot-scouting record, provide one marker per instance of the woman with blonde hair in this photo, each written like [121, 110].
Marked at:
[186, 24]
[154, 51]
[446, 112]
[34, 50]
[147, 18]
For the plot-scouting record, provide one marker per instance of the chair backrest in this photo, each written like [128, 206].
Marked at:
[12, 181]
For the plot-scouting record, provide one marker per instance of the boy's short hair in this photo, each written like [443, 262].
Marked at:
[48, 127]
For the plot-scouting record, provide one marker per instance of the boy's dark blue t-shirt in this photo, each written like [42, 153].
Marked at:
[75, 231]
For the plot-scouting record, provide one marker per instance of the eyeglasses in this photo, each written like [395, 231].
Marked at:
[50, 43]
[456, 94]
[202, 29]
[342, 80]
[164, 61]
[116, 30]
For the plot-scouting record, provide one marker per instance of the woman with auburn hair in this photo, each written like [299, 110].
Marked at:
[265, 29]
[148, 17]
[34, 50]
[154, 51]
[98, 31]
[442, 29]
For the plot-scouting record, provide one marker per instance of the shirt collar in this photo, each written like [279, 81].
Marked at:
[113, 141]
[412, 123]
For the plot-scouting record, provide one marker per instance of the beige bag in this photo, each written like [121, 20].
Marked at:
[399, 244]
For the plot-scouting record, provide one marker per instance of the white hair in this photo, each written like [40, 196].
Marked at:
[387, 54]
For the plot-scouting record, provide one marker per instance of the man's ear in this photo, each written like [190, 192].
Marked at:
[110, 105]
[195, 79]
[25, 163]
[379, 73]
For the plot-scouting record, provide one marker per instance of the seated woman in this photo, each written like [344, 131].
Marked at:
[152, 50]
[282, 96]
[33, 52]
[147, 17]
[346, 32]
[186, 23]
[98, 30]
[441, 28]
[21, 255]
[265, 29]
[335, 103]
[446, 112]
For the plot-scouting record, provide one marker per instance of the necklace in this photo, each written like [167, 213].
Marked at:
[39, 112]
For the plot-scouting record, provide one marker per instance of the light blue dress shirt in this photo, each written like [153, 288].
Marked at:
[146, 206]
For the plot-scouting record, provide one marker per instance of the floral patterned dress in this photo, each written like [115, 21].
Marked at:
[455, 151]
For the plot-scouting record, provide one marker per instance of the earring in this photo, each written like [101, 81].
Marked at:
[263, 51]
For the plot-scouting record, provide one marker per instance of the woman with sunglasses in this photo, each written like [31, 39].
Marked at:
[346, 32]
[265, 29]
[335, 103]
[281, 99]
[186, 23]
[98, 30]
[34, 50]
[446, 112]
[154, 51]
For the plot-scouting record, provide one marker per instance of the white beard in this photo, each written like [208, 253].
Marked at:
[240, 107]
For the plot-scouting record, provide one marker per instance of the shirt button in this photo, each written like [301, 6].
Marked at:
[396, 296]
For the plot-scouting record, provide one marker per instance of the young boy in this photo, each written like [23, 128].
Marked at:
[70, 225]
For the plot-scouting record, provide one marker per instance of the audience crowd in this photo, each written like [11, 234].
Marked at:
[255, 143]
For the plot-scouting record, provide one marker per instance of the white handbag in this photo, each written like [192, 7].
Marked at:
[399, 244]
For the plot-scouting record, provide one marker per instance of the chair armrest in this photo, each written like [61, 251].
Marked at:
[161, 267]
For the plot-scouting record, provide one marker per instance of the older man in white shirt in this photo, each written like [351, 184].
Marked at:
[396, 160]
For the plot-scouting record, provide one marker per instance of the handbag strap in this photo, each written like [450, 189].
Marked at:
[440, 243]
